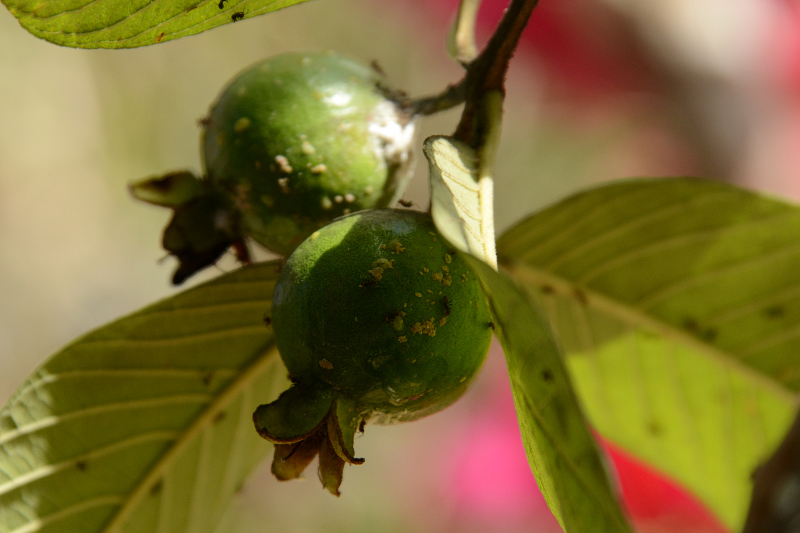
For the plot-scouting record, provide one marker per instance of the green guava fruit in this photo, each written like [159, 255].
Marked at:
[378, 319]
[302, 138]
[291, 143]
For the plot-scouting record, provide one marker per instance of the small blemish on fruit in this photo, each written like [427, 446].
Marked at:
[307, 148]
[418, 295]
[283, 164]
[241, 125]
[81, 465]
[326, 203]
[547, 375]
[424, 328]
[402, 338]
[319, 169]
[383, 263]
[338, 198]
[283, 183]
[327, 365]
[448, 258]
[443, 321]
[314, 235]
[398, 248]
[377, 273]
[349, 198]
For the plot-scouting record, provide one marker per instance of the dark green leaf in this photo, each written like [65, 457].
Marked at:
[562, 452]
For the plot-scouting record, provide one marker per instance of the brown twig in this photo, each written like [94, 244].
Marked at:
[488, 71]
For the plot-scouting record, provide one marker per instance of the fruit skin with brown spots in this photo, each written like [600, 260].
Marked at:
[291, 143]
[371, 306]
[377, 320]
[302, 138]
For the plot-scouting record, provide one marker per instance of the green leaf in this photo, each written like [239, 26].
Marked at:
[144, 425]
[678, 304]
[129, 23]
[562, 452]
[461, 197]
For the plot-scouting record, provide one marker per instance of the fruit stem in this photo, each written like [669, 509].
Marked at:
[451, 97]
[486, 73]
[461, 41]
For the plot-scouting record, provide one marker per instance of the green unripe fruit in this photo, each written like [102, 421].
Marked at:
[302, 138]
[377, 319]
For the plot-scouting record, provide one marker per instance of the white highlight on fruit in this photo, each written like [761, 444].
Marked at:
[392, 133]
[339, 99]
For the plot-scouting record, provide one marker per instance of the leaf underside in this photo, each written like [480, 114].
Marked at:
[130, 23]
[677, 302]
[461, 201]
[144, 425]
[562, 452]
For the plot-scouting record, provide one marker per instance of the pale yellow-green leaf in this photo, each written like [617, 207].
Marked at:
[144, 425]
[677, 302]
[130, 23]
[461, 197]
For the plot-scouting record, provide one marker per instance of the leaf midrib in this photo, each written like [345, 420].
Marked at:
[215, 407]
[635, 317]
